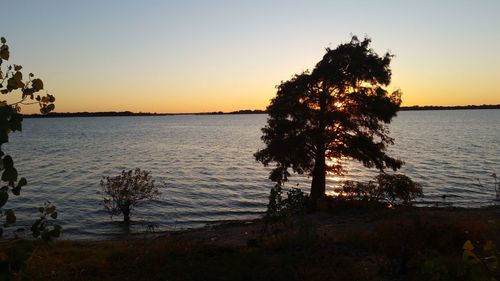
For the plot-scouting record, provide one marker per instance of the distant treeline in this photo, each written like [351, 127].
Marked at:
[129, 113]
[93, 114]
[246, 111]
[457, 107]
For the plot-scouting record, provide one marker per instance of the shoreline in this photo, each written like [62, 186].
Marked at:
[343, 218]
[361, 243]
[319, 219]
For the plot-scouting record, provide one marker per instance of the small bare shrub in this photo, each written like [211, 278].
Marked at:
[394, 189]
[352, 190]
[123, 192]
[399, 188]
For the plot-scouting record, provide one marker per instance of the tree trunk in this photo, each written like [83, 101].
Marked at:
[126, 214]
[318, 185]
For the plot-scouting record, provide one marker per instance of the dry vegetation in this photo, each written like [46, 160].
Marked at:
[348, 244]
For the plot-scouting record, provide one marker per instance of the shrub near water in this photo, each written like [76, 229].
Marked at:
[295, 203]
[399, 188]
[394, 189]
[125, 191]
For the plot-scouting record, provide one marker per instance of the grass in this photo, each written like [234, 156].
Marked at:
[398, 244]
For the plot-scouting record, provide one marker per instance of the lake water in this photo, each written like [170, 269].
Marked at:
[206, 168]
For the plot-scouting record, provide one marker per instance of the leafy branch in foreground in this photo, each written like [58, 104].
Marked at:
[12, 81]
[45, 227]
[13, 259]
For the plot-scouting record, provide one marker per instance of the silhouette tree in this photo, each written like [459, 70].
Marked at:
[339, 110]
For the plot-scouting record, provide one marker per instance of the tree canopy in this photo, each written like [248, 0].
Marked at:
[338, 110]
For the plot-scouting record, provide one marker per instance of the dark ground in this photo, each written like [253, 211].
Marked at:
[345, 244]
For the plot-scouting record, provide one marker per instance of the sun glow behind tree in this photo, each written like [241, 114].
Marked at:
[338, 111]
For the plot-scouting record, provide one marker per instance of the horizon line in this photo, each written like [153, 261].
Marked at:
[254, 111]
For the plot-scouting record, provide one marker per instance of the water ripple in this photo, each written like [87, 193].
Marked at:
[205, 166]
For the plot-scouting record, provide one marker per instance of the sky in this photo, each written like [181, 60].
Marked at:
[226, 55]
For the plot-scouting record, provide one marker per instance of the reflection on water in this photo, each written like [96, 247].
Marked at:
[206, 165]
